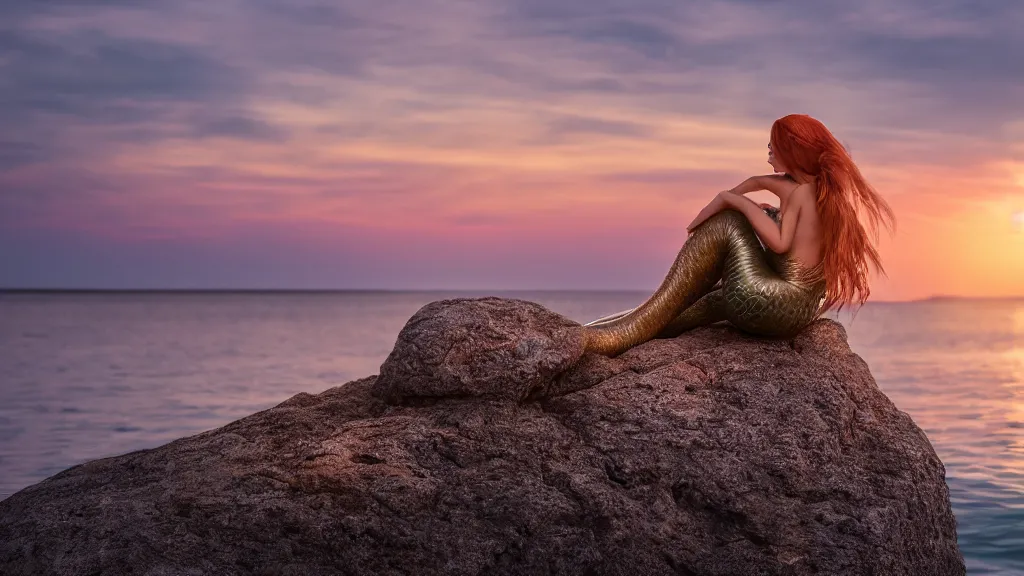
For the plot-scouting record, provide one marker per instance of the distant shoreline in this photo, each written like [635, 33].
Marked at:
[328, 291]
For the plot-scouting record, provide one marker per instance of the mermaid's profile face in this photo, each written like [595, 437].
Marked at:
[775, 162]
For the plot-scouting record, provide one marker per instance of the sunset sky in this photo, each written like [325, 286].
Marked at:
[486, 144]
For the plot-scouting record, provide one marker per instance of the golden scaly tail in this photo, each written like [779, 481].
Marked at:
[761, 292]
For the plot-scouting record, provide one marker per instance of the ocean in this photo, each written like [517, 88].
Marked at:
[89, 375]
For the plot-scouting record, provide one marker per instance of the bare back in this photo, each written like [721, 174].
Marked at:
[808, 237]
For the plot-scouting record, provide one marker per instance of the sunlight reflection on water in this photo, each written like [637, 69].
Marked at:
[92, 375]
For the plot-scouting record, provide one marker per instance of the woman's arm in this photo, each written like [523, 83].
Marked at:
[713, 207]
[777, 240]
[779, 184]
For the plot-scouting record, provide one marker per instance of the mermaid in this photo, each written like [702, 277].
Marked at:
[769, 272]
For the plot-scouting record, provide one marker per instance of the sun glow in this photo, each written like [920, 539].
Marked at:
[1018, 220]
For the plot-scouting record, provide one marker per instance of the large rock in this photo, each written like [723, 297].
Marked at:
[487, 347]
[710, 453]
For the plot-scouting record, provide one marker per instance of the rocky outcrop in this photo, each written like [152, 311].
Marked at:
[489, 445]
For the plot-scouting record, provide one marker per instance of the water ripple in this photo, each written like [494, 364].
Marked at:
[94, 375]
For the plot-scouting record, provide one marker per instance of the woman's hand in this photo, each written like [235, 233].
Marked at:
[721, 202]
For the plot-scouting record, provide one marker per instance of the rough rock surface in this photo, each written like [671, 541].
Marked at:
[484, 347]
[710, 453]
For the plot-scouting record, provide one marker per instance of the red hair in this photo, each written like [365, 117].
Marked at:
[807, 150]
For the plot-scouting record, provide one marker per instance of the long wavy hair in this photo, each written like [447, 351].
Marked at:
[808, 150]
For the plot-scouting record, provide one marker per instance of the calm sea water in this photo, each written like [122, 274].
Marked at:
[84, 376]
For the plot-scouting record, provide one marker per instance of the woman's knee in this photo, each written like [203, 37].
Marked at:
[730, 215]
[728, 221]
[721, 224]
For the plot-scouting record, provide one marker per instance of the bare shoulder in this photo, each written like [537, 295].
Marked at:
[803, 193]
[782, 185]
[802, 197]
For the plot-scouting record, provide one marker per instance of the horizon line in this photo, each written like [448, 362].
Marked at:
[226, 291]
